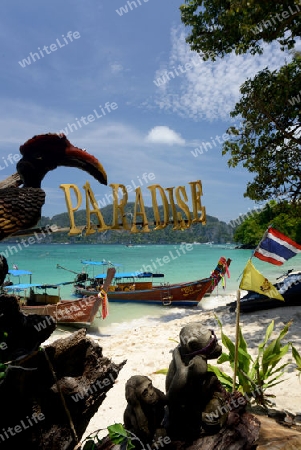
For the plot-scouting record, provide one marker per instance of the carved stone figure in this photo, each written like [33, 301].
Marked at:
[195, 396]
[145, 409]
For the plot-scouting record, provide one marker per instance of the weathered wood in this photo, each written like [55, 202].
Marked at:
[24, 333]
[241, 435]
[50, 396]
[11, 181]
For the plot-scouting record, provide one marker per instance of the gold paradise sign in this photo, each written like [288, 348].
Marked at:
[169, 197]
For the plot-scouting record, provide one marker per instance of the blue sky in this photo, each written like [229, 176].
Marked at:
[116, 58]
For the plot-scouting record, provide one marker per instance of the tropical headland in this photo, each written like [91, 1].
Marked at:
[214, 231]
[245, 231]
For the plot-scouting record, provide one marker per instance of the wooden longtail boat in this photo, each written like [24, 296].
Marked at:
[80, 312]
[128, 287]
[177, 294]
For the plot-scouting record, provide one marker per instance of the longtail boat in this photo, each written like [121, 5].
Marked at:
[128, 287]
[80, 312]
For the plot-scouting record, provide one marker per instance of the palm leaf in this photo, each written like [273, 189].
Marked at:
[161, 371]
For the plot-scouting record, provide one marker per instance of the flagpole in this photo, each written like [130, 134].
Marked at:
[263, 237]
[236, 339]
[238, 316]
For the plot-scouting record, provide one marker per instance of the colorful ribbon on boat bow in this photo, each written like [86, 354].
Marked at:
[219, 272]
[104, 303]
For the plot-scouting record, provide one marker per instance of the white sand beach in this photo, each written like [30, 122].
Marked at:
[148, 349]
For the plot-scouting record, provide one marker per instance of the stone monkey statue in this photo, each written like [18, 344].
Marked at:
[145, 409]
[193, 393]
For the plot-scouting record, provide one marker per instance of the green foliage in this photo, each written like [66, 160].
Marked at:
[249, 232]
[90, 442]
[254, 376]
[219, 27]
[268, 142]
[297, 357]
[118, 435]
[283, 216]
[89, 445]
[3, 368]
[225, 379]
[161, 372]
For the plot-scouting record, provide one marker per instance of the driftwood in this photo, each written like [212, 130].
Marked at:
[48, 396]
[11, 181]
[24, 334]
[241, 436]
[270, 436]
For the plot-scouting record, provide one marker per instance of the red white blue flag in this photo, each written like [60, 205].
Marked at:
[276, 248]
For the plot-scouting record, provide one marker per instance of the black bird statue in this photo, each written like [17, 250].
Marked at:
[21, 196]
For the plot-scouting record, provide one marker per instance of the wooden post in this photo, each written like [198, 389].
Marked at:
[110, 275]
[236, 338]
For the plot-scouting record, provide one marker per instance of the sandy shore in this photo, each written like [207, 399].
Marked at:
[148, 349]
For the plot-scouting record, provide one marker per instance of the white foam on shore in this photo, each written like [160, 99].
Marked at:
[170, 313]
[160, 315]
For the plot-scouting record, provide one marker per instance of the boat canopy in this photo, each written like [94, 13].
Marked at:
[22, 286]
[99, 263]
[17, 272]
[94, 263]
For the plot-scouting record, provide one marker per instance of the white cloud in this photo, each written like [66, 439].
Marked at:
[164, 135]
[200, 89]
[116, 145]
[116, 68]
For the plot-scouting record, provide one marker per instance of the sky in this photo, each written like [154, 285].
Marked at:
[107, 62]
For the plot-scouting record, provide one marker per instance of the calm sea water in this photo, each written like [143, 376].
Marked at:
[180, 264]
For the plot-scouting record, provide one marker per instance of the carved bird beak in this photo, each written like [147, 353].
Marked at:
[76, 157]
[46, 152]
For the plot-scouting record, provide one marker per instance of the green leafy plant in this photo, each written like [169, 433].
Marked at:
[90, 442]
[89, 445]
[161, 372]
[118, 435]
[254, 376]
[297, 358]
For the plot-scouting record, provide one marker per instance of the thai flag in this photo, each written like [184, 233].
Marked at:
[276, 248]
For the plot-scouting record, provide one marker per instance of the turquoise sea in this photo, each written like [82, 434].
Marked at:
[182, 263]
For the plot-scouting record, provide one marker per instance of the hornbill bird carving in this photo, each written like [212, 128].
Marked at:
[21, 196]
